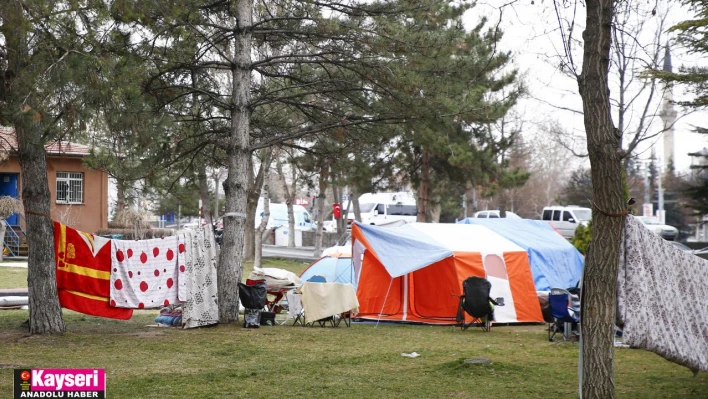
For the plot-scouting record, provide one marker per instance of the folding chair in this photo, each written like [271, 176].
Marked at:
[564, 314]
[253, 298]
[346, 317]
[475, 301]
[295, 307]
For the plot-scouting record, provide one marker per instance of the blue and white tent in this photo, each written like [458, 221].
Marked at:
[555, 262]
[336, 268]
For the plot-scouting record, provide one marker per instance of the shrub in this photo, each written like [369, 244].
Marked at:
[582, 238]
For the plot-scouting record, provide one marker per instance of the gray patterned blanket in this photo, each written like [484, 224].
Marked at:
[662, 298]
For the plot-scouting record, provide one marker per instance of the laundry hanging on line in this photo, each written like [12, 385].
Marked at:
[83, 270]
[198, 265]
[145, 273]
[661, 298]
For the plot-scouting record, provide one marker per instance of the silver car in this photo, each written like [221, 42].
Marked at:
[666, 232]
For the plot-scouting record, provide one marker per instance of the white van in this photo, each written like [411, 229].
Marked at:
[566, 219]
[279, 216]
[384, 208]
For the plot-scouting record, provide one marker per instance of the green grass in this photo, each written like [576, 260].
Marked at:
[360, 362]
[13, 277]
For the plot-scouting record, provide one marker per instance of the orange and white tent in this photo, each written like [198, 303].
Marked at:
[414, 272]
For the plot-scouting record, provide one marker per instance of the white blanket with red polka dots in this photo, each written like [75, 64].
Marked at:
[145, 273]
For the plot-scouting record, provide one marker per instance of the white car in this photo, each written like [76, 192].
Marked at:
[666, 232]
[494, 214]
[566, 219]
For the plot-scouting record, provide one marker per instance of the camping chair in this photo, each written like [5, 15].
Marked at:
[295, 309]
[564, 314]
[278, 293]
[253, 298]
[475, 302]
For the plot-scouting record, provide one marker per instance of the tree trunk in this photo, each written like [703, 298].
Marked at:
[257, 259]
[236, 186]
[204, 195]
[216, 197]
[355, 204]
[254, 193]
[605, 151]
[435, 208]
[423, 189]
[45, 314]
[289, 198]
[320, 209]
[120, 188]
[261, 182]
[289, 201]
[45, 311]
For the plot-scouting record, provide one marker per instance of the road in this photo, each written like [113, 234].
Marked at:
[302, 253]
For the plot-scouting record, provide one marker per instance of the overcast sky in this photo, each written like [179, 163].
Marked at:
[531, 34]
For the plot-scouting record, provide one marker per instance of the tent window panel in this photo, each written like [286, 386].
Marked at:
[70, 188]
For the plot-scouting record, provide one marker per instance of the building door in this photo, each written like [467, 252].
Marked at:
[9, 187]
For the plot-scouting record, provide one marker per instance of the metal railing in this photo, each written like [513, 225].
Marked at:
[12, 239]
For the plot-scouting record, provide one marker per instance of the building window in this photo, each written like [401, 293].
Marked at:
[70, 188]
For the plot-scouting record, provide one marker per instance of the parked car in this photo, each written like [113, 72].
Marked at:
[666, 232]
[565, 219]
[494, 213]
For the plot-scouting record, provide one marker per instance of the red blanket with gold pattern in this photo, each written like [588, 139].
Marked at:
[84, 273]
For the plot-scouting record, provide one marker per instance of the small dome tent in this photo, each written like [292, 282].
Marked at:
[336, 268]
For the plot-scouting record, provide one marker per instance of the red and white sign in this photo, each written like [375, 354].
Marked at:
[301, 201]
[648, 210]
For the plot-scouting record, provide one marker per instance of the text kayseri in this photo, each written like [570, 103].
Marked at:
[62, 380]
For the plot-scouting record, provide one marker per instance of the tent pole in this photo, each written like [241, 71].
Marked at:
[384, 302]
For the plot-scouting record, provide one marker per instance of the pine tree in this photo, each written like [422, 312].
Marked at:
[451, 85]
[51, 70]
